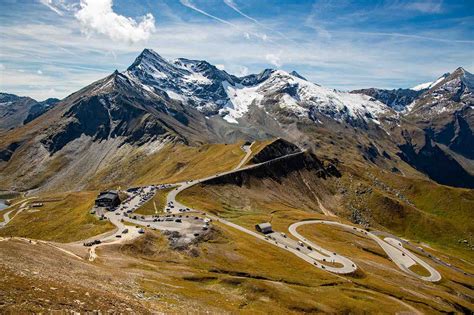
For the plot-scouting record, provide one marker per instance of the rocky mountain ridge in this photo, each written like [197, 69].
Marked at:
[156, 101]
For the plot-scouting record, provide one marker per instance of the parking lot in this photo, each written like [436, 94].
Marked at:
[130, 225]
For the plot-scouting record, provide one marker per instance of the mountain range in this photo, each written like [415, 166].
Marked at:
[423, 132]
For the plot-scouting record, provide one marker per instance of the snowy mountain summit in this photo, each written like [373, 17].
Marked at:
[215, 92]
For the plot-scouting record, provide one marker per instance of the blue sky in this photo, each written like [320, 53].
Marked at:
[51, 48]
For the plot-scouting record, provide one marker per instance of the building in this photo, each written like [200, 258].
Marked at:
[264, 228]
[108, 199]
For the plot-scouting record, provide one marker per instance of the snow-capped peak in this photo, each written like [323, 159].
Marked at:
[299, 96]
[212, 91]
[429, 85]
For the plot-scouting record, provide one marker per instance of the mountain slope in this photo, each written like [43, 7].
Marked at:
[155, 102]
[18, 110]
[437, 126]
[445, 113]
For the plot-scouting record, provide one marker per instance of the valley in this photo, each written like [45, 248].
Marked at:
[318, 257]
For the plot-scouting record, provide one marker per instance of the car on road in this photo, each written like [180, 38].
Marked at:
[125, 231]
[300, 243]
[141, 231]
[118, 236]
[283, 234]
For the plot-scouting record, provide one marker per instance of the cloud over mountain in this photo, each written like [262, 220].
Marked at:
[98, 16]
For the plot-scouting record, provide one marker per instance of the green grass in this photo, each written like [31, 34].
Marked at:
[158, 202]
[65, 220]
[441, 215]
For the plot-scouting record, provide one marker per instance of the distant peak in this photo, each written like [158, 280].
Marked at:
[150, 54]
[461, 71]
[148, 51]
[296, 74]
[147, 58]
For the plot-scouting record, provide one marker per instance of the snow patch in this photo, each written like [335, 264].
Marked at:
[198, 78]
[174, 95]
[240, 98]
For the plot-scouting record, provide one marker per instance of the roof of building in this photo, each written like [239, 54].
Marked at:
[265, 225]
[107, 195]
[108, 192]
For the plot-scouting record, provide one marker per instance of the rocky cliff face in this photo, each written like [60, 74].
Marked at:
[428, 157]
[278, 169]
[276, 149]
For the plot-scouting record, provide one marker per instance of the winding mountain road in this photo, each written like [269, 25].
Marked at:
[6, 215]
[402, 257]
[323, 260]
[317, 256]
[304, 249]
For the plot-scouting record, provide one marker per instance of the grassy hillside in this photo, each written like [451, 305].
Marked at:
[378, 277]
[63, 218]
[171, 164]
[179, 163]
[417, 209]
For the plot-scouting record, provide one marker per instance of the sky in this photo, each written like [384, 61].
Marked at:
[51, 48]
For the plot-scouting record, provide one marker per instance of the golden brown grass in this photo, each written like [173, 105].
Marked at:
[179, 163]
[236, 273]
[171, 164]
[65, 220]
[376, 271]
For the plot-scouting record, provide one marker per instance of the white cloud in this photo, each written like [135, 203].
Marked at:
[274, 60]
[231, 4]
[71, 61]
[426, 6]
[220, 66]
[50, 4]
[60, 7]
[98, 16]
[39, 72]
[189, 4]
